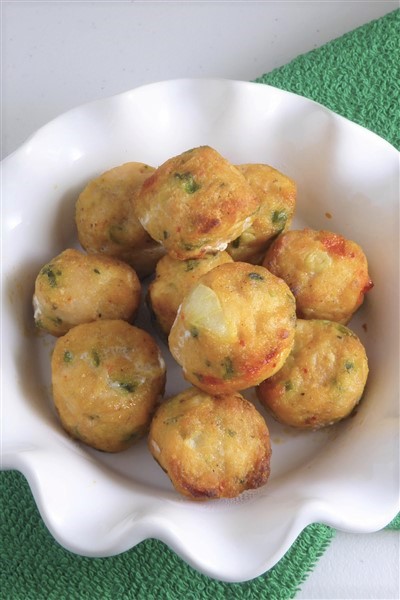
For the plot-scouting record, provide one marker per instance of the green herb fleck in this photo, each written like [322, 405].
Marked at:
[190, 185]
[191, 264]
[338, 385]
[127, 386]
[189, 246]
[96, 271]
[172, 420]
[279, 217]
[93, 417]
[115, 233]
[165, 234]
[288, 386]
[68, 356]
[348, 365]
[344, 331]
[194, 332]
[231, 433]
[228, 368]
[95, 358]
[52, 275]
[256, 276]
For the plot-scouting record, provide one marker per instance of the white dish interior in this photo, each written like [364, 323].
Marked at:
[99, 505]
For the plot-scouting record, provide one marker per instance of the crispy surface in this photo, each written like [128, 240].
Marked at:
[195, 203]
[277, 195]
[106, 220]
[234, 328]
[174, 278]
[107, 378]
[211, 447]
[327, 273]
[322, 380]
[76, 288]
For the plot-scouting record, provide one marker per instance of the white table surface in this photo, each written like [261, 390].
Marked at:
[57, 55]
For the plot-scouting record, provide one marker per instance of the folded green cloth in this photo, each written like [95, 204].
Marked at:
[35, 567]
[356, 76]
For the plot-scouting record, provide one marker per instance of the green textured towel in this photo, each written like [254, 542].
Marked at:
[356, 76]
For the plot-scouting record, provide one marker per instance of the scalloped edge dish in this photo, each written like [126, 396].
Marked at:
[100, 505]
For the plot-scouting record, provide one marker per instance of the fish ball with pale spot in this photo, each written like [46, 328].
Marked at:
[173, 280]
[234, 328]
[277, 194]
[327, 273]
[108, 378]
[75, 288]
[106, 220]
[322, 380]
[196, 203]
[211, 447]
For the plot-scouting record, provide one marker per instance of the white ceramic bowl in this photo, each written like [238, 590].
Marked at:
[99, 505]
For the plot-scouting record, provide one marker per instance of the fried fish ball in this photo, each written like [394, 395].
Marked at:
[196, 203]
[106, 220]
[327, 273]
[76, 288]
[211, 447]
[108, 377]
[234, 329]
[322, 380]
[173, 280]
[277, 194]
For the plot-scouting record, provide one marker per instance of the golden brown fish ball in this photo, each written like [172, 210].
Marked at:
[196, 203]
[108, 377]
[277, 194]
[76, 288]
[211, 447]
[106, 220]
[327, 273]
[321, 381]
[234, 329]
[173, 280]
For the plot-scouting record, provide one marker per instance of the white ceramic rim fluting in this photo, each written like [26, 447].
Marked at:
[100, 505]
